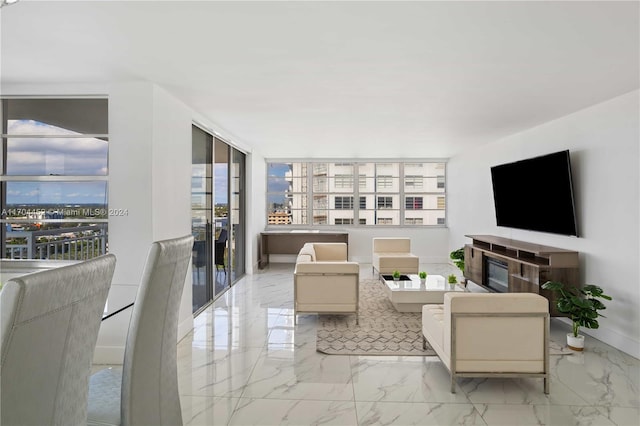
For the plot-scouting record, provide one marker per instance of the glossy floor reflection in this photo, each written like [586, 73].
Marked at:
[245, 363]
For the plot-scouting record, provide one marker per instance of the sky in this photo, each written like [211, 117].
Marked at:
[276, 184]
[64, 156]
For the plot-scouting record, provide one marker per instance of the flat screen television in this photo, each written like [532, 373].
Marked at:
[536, 194]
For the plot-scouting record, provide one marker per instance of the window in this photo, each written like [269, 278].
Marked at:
[343, 221]
[384, 182]
[392, 193]
[362, 181]
[363, 202]
[53, 178]
[344, 181]
[385, 202]
[414, 182]
[344, 203]
[413, 203]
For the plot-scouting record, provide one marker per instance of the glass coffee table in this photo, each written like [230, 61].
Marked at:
[409, 294]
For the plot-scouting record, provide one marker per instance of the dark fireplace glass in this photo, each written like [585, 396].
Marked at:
[497, 275]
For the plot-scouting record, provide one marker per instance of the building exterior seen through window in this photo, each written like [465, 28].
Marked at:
[391, 193]
[53, 178]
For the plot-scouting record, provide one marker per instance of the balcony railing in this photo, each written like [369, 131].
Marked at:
[78, 243]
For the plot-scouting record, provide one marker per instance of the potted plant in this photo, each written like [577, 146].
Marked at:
[581, 305]
[423, 277]
[452, 279]
[396, 275]
[458, 258]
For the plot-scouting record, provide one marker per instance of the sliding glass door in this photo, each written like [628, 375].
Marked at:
[218, 218]
[221, 211]
[237, 174]
[202, 217]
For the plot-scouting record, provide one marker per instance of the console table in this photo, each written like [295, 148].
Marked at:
[290, 242]
[528, 266]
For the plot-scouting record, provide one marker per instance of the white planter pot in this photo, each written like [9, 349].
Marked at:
[575, 343]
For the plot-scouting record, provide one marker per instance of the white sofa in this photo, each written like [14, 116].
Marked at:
[490, 335]
[325, 281]
[390, 254]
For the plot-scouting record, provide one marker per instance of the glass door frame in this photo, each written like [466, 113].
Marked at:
[201, 287]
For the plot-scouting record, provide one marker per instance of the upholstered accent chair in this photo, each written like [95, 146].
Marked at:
[145, 390]
[324, 281]
[49, 329]
[391, 254]
[490, 335]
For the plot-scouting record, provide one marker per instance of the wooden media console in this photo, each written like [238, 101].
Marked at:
[526, 266]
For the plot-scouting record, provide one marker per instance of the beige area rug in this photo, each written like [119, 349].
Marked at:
[381, 331]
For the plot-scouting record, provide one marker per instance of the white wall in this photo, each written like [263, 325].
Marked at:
[604, 145]
[130, 180]
[256, 206]
[171, 183]
[150, 177]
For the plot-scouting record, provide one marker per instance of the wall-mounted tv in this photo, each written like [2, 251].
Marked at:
[536, 194]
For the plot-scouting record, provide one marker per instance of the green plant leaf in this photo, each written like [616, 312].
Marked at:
[591, 323]
[552, 285]
[457, 254]
[564, 305]
[582, 303]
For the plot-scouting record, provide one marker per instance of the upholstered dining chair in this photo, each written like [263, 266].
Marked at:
[49, 329]
[145, 390]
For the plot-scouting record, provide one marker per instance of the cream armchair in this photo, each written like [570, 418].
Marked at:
[490, 335]
[324, 280]
[390, 254]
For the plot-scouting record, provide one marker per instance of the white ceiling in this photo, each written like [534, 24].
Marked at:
[341, 79]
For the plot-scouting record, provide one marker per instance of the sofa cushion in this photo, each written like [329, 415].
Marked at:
[495, 302]
[327, 268]
[330, 251]
[433, 325]
[397, 260]
[309, 250]
[392, 245]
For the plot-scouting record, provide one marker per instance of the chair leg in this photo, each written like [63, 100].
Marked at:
[546, 385]
[453, 383]
[424, 342]
[295, 319]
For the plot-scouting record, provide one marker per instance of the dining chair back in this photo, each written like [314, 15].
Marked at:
[145, 390]
[49, 329]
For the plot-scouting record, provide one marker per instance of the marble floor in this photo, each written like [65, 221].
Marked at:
[246, 363]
